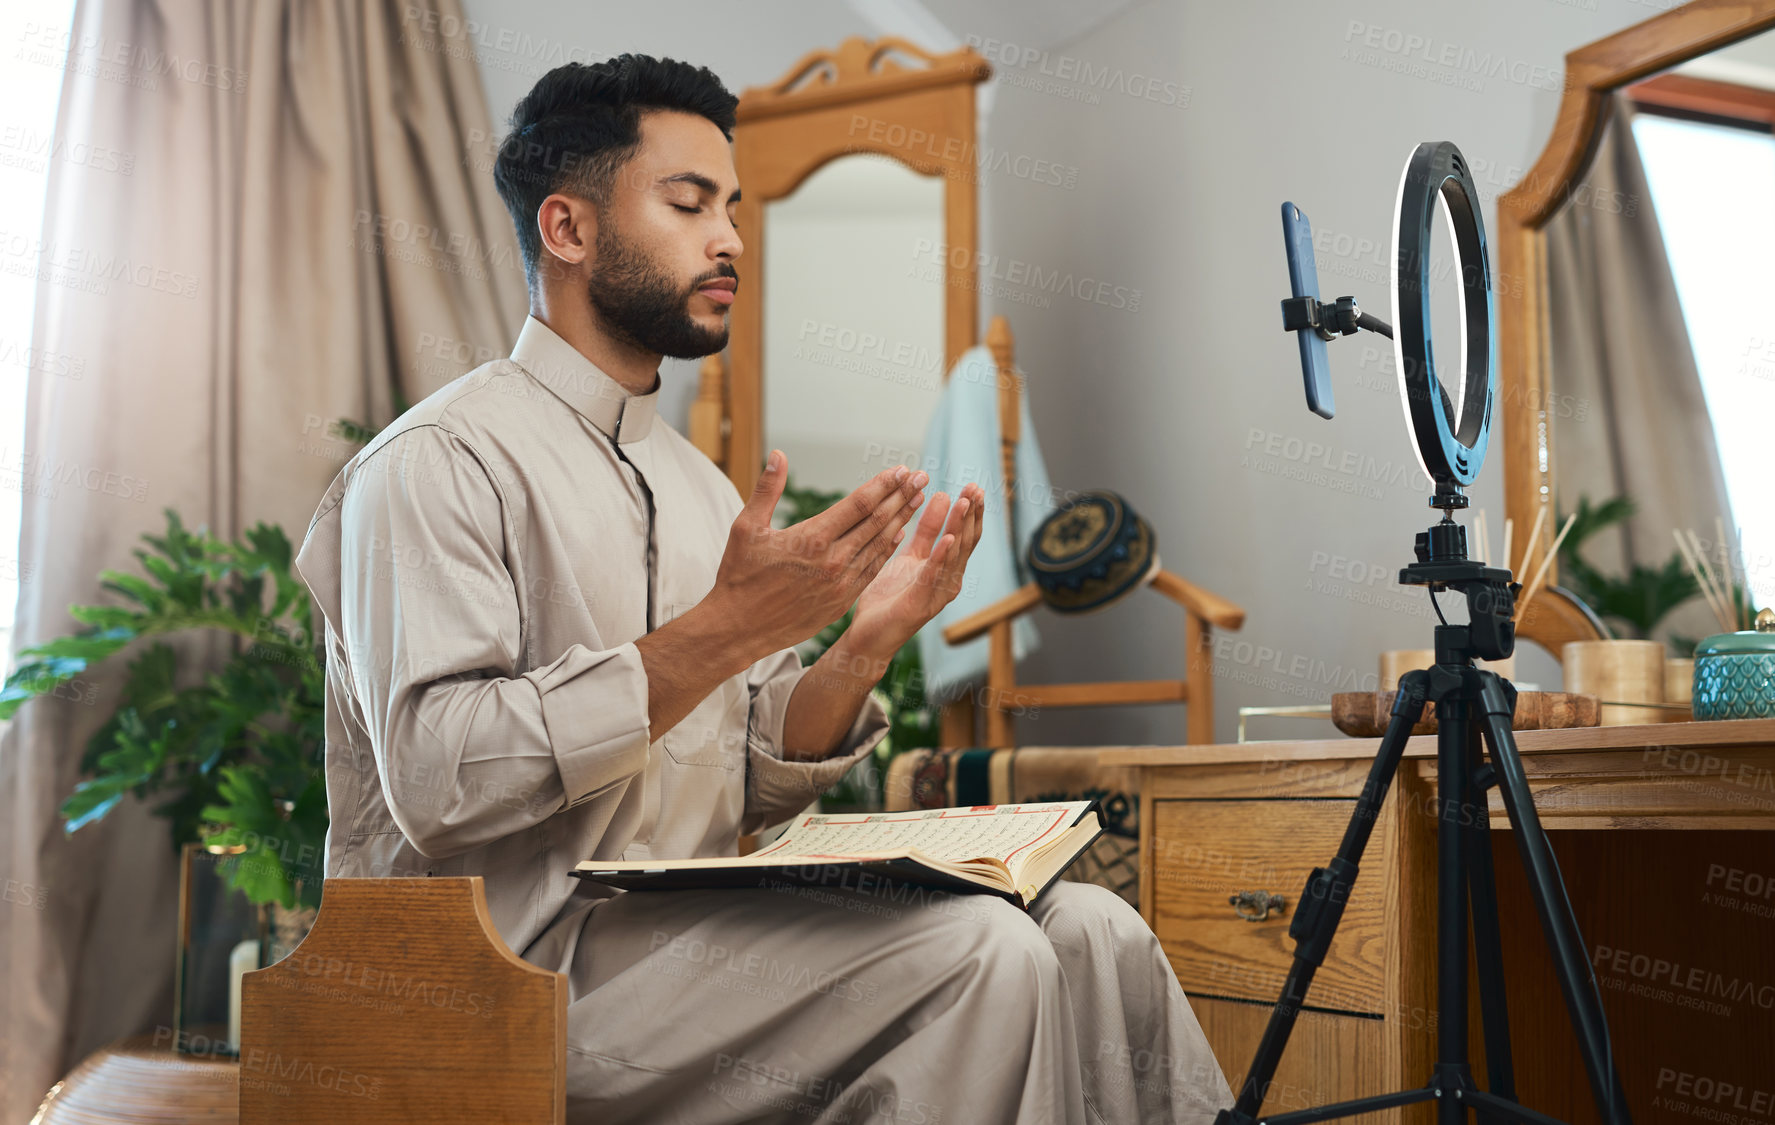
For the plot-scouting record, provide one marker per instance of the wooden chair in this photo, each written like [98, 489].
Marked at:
[1203, 613]
[403, 1004]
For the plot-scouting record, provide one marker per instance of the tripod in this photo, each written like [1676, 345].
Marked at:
[1468, 700]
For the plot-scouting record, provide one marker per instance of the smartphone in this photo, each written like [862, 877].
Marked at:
[1303, 275]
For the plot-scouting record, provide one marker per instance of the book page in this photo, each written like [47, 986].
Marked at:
[1002, 832]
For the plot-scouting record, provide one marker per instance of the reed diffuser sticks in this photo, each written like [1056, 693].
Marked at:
[1731, 611]
[1534, 585]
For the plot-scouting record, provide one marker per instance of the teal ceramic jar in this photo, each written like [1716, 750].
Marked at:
[1735, 673]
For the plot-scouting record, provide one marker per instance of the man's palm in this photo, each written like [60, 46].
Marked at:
[920, 580]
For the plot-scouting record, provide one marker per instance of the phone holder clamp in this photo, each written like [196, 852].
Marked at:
[1330, 320]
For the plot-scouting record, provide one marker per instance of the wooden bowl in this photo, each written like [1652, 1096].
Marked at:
[1365, 714]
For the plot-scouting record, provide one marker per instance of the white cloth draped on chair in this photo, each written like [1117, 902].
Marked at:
[962, 445]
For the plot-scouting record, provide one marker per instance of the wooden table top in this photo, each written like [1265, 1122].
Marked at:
[1689, 735]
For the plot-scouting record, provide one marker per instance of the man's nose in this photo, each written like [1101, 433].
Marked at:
[728, 246]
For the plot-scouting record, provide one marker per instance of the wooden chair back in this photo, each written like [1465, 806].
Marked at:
[1004, 696]
[403, 1004]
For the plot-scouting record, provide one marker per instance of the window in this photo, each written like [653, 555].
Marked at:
[29, 147]
[1712, 183]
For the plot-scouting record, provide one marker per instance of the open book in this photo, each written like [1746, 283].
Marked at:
[1014, 851]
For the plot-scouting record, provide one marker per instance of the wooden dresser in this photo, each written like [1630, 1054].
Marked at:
[1664, 842]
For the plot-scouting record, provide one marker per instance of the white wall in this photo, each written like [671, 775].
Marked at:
[1180, 398]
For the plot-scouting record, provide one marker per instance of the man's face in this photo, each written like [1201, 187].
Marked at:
[663, 276]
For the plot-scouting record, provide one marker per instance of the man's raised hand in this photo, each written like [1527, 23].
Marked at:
[919, 581]
[786, 585]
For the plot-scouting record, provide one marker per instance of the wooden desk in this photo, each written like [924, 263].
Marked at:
[1662, 837]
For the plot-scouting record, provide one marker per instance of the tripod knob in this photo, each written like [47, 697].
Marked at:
[1445, 542]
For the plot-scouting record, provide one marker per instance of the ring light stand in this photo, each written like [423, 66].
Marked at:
[1471, 703]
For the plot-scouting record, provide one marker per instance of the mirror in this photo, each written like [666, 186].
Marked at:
[853, 332]
[867, 151]
[854, 148]
[1661, 347]
[1630, 331]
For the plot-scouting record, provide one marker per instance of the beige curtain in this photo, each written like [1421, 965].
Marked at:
[309, 222]
[1628, 413]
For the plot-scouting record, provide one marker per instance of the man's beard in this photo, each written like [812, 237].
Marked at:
[638, 303]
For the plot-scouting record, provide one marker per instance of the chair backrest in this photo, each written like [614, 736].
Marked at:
[1203, 612]
[403, 1004]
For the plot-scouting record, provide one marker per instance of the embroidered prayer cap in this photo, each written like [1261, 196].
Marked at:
[1090, 552]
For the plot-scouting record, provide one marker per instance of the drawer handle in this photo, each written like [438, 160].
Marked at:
[1255, 906]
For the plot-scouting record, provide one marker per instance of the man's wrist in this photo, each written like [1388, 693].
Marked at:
[865, 655]
[722, 636]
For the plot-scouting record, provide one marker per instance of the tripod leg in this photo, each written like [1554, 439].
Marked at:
[1570, 964]
[1322, 902]
[1453, 762]
[1488, 952]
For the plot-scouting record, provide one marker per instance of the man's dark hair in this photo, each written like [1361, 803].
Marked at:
[579, 124]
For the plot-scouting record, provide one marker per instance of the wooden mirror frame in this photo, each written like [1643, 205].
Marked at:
[1592, 73]
[857, 98]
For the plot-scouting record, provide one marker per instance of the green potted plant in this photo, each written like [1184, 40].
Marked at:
[235, 760]
[1634, 604]
[240, 758]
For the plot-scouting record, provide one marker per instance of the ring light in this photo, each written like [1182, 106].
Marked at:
[1450, 446]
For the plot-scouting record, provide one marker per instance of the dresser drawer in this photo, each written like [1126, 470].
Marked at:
[1203, 852]
[1329, 1058]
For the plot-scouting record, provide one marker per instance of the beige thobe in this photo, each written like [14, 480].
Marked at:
[484, 567]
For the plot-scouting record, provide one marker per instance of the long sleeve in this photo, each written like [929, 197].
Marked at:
[468, 749]
[776, 788]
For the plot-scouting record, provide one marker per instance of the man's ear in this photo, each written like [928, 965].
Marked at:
[568, 226]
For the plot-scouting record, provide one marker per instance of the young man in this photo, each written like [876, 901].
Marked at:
[556, 633]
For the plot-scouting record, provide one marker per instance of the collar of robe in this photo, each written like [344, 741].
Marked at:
[619, 414]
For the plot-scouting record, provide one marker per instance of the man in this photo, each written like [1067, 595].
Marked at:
[555, 633]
